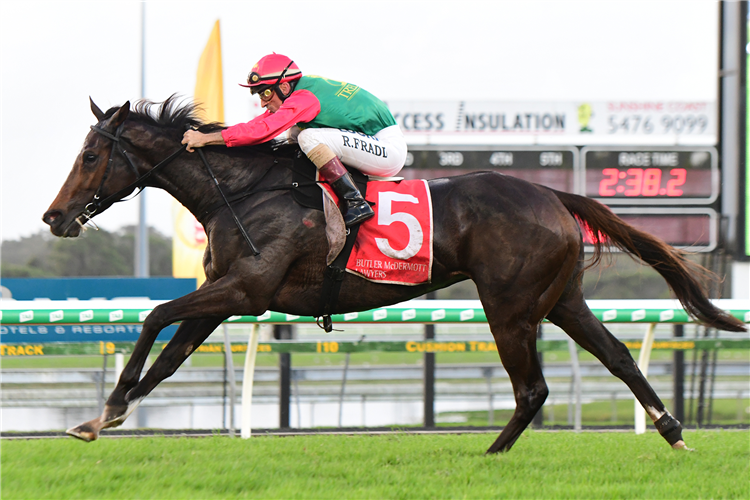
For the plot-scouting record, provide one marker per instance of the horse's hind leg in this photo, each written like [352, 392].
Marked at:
[573, 315]
[514, 319]
[517, 348]
[517, 292]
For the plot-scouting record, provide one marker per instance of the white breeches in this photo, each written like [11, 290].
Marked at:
[382, 155]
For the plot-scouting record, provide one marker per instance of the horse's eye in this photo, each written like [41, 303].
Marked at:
[89, 157]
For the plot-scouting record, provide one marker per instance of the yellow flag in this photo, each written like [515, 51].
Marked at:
[209, 84]
[189, 241]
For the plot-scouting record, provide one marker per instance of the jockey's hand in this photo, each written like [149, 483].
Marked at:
[194, 139]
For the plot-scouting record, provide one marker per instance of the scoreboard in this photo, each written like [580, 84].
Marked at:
[672, 193]
[549, 166]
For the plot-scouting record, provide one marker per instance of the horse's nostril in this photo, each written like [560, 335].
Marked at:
[50, 217]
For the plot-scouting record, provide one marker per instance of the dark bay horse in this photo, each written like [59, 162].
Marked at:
[519, 242]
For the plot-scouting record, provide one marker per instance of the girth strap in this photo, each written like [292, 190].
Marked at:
[334, 273]
[334, 277]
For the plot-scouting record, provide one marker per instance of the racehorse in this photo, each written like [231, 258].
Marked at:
[520, 243]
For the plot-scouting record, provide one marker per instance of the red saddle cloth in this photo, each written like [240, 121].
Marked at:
[395, 246]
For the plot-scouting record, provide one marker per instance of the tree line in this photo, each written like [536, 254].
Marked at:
[95, 253]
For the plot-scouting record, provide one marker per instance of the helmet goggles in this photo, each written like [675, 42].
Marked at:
[269, 73]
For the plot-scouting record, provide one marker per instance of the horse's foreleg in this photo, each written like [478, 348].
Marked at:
[577, 320]
[190, 332]
[117, 408]
[186, 340]
[212, 303]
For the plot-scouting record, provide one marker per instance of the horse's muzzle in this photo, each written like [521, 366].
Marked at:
[56, 221]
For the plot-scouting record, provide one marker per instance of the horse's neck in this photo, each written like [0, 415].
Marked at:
[190, 183]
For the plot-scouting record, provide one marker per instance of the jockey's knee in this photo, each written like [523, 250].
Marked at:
[293, 134]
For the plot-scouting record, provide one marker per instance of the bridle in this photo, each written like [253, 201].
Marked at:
[92, 208]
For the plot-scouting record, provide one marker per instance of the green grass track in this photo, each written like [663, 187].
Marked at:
[541, 465]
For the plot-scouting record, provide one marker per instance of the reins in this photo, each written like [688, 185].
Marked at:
[91, 209]
[231, 210]
[250, 191]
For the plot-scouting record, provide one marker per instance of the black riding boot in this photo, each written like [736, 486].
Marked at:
[354, 207]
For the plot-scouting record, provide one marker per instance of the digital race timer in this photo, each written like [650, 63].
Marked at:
[677, 176]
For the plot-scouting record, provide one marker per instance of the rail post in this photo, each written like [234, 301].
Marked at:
[102, 397]
[229, 363]
[247, 383]
[119, 366]
[488, 372]
[678, 376]
[343, 388]
[643, 360]
[284, 332]
[429, 375]
[575, 366]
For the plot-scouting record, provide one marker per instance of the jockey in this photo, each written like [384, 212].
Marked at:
[332, 121]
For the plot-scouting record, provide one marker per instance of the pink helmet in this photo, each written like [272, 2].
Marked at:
[270, 71]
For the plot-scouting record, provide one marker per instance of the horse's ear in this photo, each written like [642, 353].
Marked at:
[95, 109]
[120, 115]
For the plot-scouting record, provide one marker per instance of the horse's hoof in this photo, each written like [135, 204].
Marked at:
[113, 416]
[680, 445]
[84, 432]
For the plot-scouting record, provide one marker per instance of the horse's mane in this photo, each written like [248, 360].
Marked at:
[174, 113]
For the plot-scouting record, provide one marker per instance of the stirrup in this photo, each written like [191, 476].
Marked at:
[358, 213]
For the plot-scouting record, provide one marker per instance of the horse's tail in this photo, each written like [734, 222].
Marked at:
[606, 230]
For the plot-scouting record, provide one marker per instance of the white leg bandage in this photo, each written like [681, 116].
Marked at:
[320, 155]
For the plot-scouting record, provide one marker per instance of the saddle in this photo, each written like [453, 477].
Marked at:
[304, 174]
